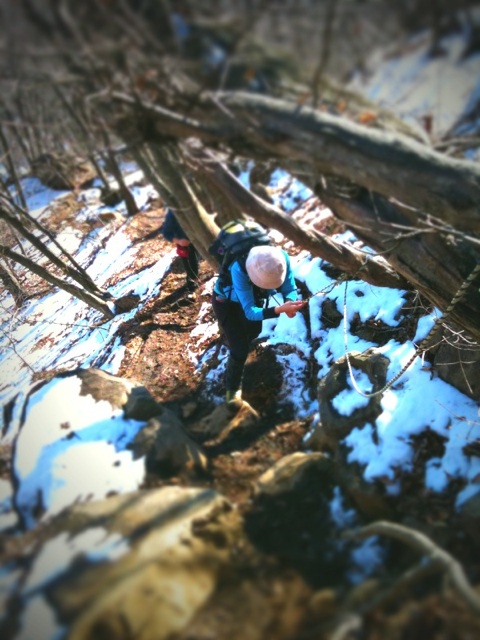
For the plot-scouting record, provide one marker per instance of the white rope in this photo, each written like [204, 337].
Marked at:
[422, 347]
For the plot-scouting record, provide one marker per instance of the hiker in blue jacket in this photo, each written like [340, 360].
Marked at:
[239, 306]
[173, 232]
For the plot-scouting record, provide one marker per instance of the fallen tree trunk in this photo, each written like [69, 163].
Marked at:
[75, 272]
[83, 295]
[163, 165]
[430, 195]
[435, 266]
[385, 162]
[345, 257]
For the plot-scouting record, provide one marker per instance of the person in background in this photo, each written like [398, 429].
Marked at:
[240, 307]
[173, 232]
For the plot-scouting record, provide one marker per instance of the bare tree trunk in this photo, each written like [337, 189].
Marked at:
[11, 284]
[325, 52]
[197, 223]
[418, 252]
[11, 168]
[127, 197]
[144, 159]
[226, 208]
[15, 132]
[28, 133]
[79, 275]
[349, 259]
[84, 131]
[85, 296]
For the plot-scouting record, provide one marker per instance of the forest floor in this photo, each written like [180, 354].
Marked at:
[156, 343]
[157, 340]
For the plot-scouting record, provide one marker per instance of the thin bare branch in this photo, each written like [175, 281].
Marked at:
[423, 544]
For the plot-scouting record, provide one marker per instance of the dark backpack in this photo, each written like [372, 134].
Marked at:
[234, 241]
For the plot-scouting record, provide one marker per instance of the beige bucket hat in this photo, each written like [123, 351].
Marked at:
[266, 267]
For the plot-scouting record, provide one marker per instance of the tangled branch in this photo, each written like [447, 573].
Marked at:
[423, 544]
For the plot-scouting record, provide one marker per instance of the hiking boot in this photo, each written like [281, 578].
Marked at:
[231, 396]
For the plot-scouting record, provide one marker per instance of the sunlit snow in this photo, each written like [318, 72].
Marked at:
[71, 448]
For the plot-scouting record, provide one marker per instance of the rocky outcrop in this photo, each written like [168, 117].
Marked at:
[370, 498]
[128, 395]
[88, 434]
[167, 448]
[334, 425]
[185, 562]
[291, 515]
[181, 563]
[227, 423]
[137, 565]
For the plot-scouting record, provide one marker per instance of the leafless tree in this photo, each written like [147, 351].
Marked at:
[219, 87]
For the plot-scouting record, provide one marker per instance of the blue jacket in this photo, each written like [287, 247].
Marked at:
[170, 228]
[242, 290]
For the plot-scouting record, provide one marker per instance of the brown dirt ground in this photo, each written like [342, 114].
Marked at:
[156, 341]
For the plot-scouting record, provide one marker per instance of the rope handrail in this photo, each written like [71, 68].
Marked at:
[423, 345]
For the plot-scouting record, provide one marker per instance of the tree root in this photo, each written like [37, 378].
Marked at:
[439, 560]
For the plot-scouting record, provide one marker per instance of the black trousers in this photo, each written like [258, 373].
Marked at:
[239, 333]
[189, 258]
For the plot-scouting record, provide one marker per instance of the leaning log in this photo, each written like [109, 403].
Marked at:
[384, 162]
[436, 266]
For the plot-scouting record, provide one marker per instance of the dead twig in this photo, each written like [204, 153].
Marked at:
[425, 545]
